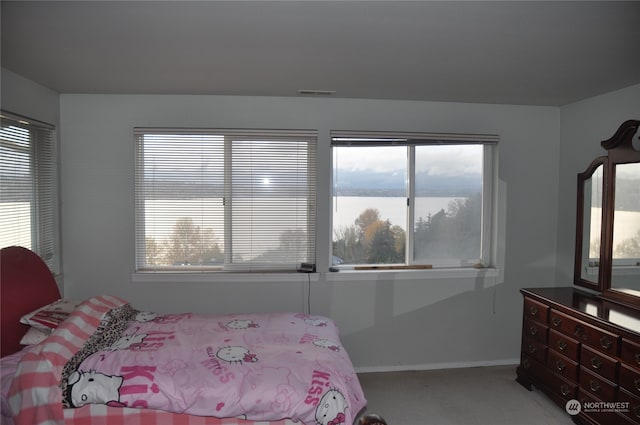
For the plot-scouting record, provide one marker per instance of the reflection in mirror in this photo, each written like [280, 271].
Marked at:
[624, 320]
[589, 307]
[625, 274]
[592, 224]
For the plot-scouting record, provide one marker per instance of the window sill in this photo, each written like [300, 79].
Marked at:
[429, 274]
[341, 276]
[220, 277]
[615, 271]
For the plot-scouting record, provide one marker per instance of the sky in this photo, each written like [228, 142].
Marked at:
[442, 160]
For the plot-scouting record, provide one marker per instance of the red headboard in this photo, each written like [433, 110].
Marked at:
[26, 284]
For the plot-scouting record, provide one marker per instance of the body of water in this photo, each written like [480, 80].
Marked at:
[346, 209]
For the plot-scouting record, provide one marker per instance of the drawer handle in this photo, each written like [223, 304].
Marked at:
[636, 410]
[560, 365]
[562, 345]
[533, 330]
[532, 348]
[605, 342]
[533, 310]
[594, 385]
[556, 321]
[636, 383]
[564, 389]
[637, 358]
[579, 331]
[596, 363]
[526, 363]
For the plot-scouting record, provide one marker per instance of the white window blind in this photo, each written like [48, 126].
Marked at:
[28, 187]
[224, 200]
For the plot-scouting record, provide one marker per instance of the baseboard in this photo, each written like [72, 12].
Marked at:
[436, 366]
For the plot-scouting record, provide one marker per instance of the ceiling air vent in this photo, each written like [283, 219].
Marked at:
[317, 92]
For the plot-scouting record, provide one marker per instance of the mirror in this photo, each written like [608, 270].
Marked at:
[607, 257]
[625, 272]
[590, 185]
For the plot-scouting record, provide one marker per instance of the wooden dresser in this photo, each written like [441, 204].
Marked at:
[578, 346]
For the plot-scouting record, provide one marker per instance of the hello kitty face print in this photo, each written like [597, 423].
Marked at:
[236, 354]
[127, 342]
[93, 387]
[239, 324]
[145, 316]
[331, 409]
[326, 343]
[316, 321]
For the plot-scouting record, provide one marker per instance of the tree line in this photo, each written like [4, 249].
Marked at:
[454, 233]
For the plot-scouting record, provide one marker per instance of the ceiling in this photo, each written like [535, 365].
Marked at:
[533, 53]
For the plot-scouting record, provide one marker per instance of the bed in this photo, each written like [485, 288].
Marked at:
[101, 361]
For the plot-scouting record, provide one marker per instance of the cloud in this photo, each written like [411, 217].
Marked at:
[432, 159]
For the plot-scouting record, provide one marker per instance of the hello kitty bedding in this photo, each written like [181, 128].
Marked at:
[257, 367]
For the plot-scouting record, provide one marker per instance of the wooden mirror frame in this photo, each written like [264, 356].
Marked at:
[578, 276]
[620, 151]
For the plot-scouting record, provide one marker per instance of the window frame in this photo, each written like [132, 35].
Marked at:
[229, 136]
[411, 140]
[44, 182]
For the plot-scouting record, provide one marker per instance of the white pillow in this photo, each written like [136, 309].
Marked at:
[50, 316]
[34, 336]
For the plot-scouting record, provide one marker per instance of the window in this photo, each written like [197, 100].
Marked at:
[411, 200]
[225, 200]
[28, 187]
[626, 221]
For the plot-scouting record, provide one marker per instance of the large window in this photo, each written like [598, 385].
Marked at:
[411, 200]
[224, 200]
[28, 187]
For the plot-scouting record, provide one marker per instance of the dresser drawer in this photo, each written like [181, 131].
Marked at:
[630, 379]
[585, 333]
[564, 345]
[630, 353]
[633, 411]
[535, 330]
[532, 367]
[599, 412]
[562, 366]
[557, 387]
[596, 385]
[535, 349]
[535, 310]
[595, 361]
[560, 387]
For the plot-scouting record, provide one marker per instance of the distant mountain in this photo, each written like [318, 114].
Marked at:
[347, 183]
[360, 183]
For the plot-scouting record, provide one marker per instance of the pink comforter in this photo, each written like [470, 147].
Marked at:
[257, 367]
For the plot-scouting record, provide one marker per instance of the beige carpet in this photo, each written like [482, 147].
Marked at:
[473, 396]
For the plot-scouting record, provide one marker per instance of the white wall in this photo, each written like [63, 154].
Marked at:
[24, 97]
[390, 320]
[583, 126]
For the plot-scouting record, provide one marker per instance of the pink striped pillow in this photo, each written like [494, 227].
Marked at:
[50, 316]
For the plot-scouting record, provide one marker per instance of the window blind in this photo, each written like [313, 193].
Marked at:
[224, 200]
[375, 138]
[28, 187]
